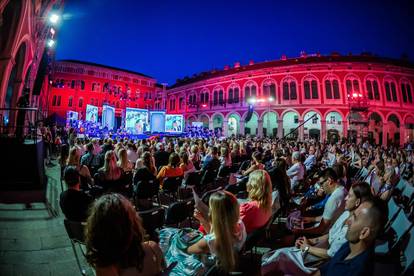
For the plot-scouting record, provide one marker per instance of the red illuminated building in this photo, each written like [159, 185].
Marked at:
[360, 96]
[76, 84]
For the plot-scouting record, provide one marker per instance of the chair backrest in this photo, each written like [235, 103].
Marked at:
[147, 188]
[409, 251]
[401, 224]
[152, 219]
[179, 211]
[75, 230]
[171, 184]
[209, 176]
[393, 209]
[401, 185]
[408, 192]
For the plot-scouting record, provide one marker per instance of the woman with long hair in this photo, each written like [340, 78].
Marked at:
[74, 160]
[123, 162]
[110, 170]
[256, 212]
[227, 232]
[114, 240]
[186, 165]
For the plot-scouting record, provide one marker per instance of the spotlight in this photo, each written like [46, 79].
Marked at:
[252, 100]
[50, 43]
[271, 99]
[52, 31]
[54, 18]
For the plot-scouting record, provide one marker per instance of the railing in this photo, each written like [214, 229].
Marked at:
[22, 122]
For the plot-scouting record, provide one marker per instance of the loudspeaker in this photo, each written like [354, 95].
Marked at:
[249, 113]
[41, 72]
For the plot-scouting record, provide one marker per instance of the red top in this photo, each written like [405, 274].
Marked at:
[253, 216]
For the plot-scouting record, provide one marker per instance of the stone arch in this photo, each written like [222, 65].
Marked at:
[205, 119]
[218, 119]
[190, 119]
[313, 127]
[375, 127]
[270, 124]
[334, 125]
[251, 126]
[233, 121]
[290, 122]
[393, 125]
[409, 127]
[11, 15]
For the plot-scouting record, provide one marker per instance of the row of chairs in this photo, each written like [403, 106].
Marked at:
[397, 243]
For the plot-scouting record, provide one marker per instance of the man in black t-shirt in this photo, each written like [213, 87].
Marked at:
[73, 202]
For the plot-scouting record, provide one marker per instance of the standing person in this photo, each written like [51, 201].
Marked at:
[115, 240]
[161, 156]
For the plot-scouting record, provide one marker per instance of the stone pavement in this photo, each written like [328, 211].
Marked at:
[34, 243]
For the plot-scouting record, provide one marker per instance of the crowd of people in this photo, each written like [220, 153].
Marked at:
[332, 196]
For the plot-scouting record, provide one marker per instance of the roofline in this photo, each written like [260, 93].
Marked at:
[292, 61]
[104, 66]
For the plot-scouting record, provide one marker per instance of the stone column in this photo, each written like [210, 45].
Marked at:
[384, 133]
[345, 129]
[301, 130]
[225, 128]
[242, 124]
[280, 128]
[260, 128]
[402, 134]
[210, 124]
[323, 131]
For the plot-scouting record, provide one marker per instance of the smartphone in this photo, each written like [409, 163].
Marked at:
[189, 236]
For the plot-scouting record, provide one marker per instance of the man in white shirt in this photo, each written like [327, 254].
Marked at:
[333, 207]
[293, 260]
[296, 171]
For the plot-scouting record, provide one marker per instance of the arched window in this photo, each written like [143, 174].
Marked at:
[230, 96]
[293, 94]
[236, 95]
[215, 99]
[390, 91]
[269, 90]
[372, 89]
[54, 101]
[286, 91]
[59, 98]
[250, 91]
[289, 90]
[352, 86]
[328, 89]
[70, 101]
[221, 98]
[80, 102]
[247, 93]
[406, 92]
[82, 85]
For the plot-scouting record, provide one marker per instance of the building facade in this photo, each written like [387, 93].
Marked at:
[76, 84]
[24, 31]
[329, 96]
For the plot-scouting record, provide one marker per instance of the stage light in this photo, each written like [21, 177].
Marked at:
[354, 95]
[50, 43]
[52, 31]
[54, 18]
[204, 105]
[270, 99]
[251, 100]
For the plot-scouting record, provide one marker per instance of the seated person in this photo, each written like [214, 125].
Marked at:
[256, 163]
[296, 172]
[333, 207]
[74, 202]
[172, 169]
[211, 161]
[356, 257]
[293, 261]
[257, 211]
[115, 240]
[227, 232]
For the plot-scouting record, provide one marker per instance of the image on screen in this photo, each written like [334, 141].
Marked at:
[108, 117]
[136, 120]
[91, 113]
[157, 121]
[71, 116]
[174, 123]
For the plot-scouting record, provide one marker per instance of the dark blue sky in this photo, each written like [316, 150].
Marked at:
[172, 39]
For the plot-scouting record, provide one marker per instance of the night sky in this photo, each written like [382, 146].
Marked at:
[172, 39]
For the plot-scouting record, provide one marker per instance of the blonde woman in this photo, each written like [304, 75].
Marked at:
[110, 170]
[123, 162]
[227, 232]
[74, 160]
[258, 210]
